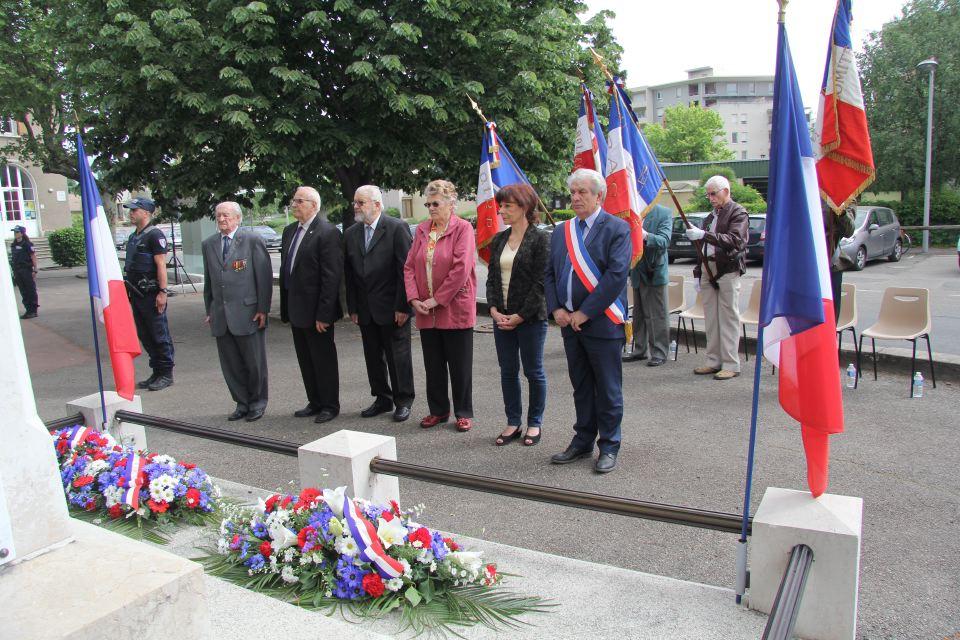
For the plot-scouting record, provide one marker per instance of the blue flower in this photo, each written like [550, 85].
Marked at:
[320, 520]
[438, 546]
[255, 562]
[259, 529]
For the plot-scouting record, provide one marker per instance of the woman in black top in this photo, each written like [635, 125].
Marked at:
[23, 262]
[518, 257]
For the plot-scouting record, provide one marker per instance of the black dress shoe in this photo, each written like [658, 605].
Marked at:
[605, 463]
[236, 415]
[306, 412]
[325, 415]
[378, 407]
[144, 384]
[569, 455]
[633, 357]
[29, 314]
[162, 381]
[655, 362]
[255, 414]
[402, 414]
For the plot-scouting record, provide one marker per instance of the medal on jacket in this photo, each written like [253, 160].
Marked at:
[239, 265]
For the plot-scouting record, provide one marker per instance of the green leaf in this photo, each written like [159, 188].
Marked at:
[407, 31]
[413, 596]
[315, 18]
[361, 69]
[391, 63]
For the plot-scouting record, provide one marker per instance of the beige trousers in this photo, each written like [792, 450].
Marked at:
[721, 312]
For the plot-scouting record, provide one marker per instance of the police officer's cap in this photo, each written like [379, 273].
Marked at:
[141, 203]
[20, 229]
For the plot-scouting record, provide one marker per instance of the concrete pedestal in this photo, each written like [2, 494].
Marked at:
[831, 526]
[343, 458]
[93, 417]
[104, 585]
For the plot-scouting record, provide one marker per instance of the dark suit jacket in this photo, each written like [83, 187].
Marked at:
[375, 288]
[608, 244]
[729, 238]
[312, 292]
[651, 270]
[236, 289]
[525, 293]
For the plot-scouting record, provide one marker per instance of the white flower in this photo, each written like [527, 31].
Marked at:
[161, 488]
[112, 496]
[287, 575]
[394, 584]
[96, 467]
[164, 459]
[425, 556]
[407, 571]
[433, 567]
[469, 560]
[346, 546]
[223, 547]
[288, 555]
[280, 516]
[390, 533]
[281, 536]
[334, 498]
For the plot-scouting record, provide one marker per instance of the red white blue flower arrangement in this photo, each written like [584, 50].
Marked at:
[323, 550]
[140, 495]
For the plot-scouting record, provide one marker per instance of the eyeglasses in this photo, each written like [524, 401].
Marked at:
[298, 200]
[432, 205]
[361, 203]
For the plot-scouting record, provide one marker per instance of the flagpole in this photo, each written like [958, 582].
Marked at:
[598, 59]
[476, 108]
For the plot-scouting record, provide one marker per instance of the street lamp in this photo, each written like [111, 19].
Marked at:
[930, 64]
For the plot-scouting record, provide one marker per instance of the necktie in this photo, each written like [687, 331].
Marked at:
[294, 245]
[583, 229]
[226, 247]
[366, 242]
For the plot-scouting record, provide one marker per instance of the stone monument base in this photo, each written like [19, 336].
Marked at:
[103, 585]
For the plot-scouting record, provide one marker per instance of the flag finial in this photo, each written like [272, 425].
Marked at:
[781, 17]
[476, 108]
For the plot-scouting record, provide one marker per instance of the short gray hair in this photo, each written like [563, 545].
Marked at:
[234, 207]
[312, 194]
[442, 188]
[373, 192]
[717, 181]
[598, 185]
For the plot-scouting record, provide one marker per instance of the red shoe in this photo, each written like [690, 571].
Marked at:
[432, 420]
[464, 424]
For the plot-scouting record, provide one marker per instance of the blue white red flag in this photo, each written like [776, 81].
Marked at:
[796, 306]
[371, 549]
[497, 170]
[844, 154]
[132, 479]
[106, 281]
[590, 151]
[634, 179]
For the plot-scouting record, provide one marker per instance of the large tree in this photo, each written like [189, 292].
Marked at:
[688, 134]
[895, 94]
[207, 99]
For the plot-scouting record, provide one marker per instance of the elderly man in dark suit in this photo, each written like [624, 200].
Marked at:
[311, 266]
[587, 296]
[237, 289]
[376, 250]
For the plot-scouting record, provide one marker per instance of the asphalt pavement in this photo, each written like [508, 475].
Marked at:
[684, 442]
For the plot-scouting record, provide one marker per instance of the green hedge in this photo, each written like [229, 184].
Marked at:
[560, 214]
[67, 247]
[944, 209]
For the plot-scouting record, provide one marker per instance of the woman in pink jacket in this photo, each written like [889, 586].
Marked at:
[441, 282]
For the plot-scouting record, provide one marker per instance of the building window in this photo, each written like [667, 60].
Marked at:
[750, 87]
[8, 126]
[743, 118]
[694, 103]
[679, 91]
[641, 112]
[17, 196]
[710, 88]
[734, 136]
[732, 87]
[659, 95]
[743, 155]
[693, 89]
[660, 114]
[743, 137]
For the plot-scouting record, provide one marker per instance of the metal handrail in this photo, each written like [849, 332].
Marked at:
[728, 522]
[63, 423]
[786, 606]
[211, 433]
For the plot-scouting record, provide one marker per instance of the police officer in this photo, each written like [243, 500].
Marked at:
[23, 263]
[145, 271]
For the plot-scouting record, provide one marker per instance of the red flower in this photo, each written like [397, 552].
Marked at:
[265, 549]
[286, 502]
[491, 571]
[82, 481]
[271, 503]
[149, 457]
[115, 511]
[122, 462]
[121, 481]
[373, 584]
[188, 465]
[306, 535]
[193, 498]
[99, 455]
[395, 507]
[235, 542]
[158, 506]
[62, 445]
[90, 506]
[386, 515]
[453, 546]
[421, 535]
[307, 496]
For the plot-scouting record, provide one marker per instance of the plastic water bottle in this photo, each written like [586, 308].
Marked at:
[673, 349]
[917, 385]
[851, 376]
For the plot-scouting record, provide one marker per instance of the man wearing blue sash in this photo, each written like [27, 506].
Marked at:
[586, 289]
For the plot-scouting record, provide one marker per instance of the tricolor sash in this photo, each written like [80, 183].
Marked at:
[587, 270]
[133, 480]
[368, 542]
[76, 435]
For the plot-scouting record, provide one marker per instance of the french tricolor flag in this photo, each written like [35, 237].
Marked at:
[590, 150]
[106, 281]
[796, 307]
[844, 155]
[497, 170]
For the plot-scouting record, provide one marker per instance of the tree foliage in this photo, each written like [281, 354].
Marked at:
[745, 195]
[895, 95]
[206, 100]
[688, 134]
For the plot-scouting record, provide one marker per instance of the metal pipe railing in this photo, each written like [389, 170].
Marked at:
[786, 606]
[727, 522]
[211, 433]
[63, 423]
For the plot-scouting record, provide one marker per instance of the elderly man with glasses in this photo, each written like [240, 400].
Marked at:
[724, 236]
[311, 265]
